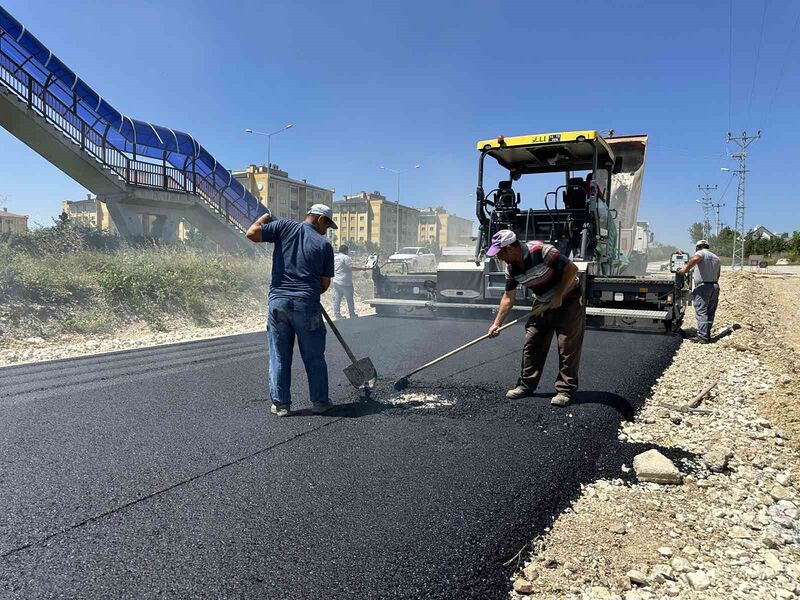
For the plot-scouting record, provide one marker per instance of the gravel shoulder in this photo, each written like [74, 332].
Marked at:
[730, 529]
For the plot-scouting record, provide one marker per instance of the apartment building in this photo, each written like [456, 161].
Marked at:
[89, 212]
[438, 228]
[288, 198]
[368, 219]
[12, 223]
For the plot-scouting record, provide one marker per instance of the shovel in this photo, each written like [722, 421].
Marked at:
[361, 373]
[404, 382]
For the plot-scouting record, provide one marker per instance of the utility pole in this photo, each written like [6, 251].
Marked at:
[743, 141]
[706, 202]
[716, 207]
[397, 229]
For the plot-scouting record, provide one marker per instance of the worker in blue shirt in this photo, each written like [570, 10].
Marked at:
[302, 269]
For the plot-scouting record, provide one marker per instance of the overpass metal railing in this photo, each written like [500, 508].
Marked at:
[69, 123]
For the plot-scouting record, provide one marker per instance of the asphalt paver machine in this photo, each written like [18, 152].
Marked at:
[588, 217]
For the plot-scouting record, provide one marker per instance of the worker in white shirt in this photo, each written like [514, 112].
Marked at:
[343, 282]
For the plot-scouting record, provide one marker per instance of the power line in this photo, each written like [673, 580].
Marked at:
[783, 63]
[725, 191]
[730, 63]
[758, 59]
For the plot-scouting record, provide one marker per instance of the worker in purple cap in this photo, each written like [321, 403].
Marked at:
[558, 308]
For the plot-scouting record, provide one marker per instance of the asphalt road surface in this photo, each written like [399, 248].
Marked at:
[159, 473]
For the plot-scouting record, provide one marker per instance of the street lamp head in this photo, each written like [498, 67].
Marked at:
[248, 131]
[382, 167]
[289, 126]
[417, 166]
[726, 169]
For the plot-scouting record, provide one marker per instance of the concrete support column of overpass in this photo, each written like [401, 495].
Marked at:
[168, 209]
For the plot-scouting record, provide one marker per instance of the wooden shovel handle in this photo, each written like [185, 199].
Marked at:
[464, 347]
[338, 336]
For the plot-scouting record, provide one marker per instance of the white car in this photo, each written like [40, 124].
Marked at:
[418, 259]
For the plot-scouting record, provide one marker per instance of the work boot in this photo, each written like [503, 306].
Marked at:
[561, 399]
[320, 408]
[521, 391]
[280, 410]
[699, 340]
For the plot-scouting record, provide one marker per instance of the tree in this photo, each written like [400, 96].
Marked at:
[794, 243]
[659, 252]
[723, 243]
[696, 232]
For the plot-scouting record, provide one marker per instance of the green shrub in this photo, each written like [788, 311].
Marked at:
[45, 291]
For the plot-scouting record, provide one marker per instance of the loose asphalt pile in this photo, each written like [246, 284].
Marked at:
[161, 473]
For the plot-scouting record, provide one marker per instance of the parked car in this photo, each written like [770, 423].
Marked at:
[418, 259]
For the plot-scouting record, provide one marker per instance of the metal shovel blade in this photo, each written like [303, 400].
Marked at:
[362, 374]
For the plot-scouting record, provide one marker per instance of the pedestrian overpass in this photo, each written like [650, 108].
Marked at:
[150, 177]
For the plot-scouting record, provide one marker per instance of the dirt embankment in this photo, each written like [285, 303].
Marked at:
[731, 528]
[39, 329]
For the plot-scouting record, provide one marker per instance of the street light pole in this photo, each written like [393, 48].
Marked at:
[269, 152]
[397, 173]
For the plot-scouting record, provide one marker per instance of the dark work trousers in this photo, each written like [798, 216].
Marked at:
[706, 298]
[568, 321]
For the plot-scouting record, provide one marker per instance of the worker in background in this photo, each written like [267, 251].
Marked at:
[587, 186]
[343, 282]
[302, 269]
[705, 294]
[558, 307]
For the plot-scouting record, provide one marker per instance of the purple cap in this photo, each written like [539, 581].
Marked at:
[501, 239]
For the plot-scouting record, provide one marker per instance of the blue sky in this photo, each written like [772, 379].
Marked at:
[369, 83]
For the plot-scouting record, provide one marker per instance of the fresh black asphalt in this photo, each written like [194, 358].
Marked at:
[160, 473]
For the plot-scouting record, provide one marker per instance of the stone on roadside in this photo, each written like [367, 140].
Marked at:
[638, 578]
[617, 527]
[772, 539]
[661, 574]
[717, 458]
[523, 586]
[654, 467]
[772, 560]
[600, 593]
[680, 565]
[665, 551]
[739, 533]
[698, 580]
[531, 572]
[779, 492]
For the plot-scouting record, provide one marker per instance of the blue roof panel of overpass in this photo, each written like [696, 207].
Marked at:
[130, 135]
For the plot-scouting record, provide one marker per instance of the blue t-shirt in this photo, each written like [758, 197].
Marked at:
[302, 256]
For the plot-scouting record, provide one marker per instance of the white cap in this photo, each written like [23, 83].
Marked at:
[701, 243]
[325, 211]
